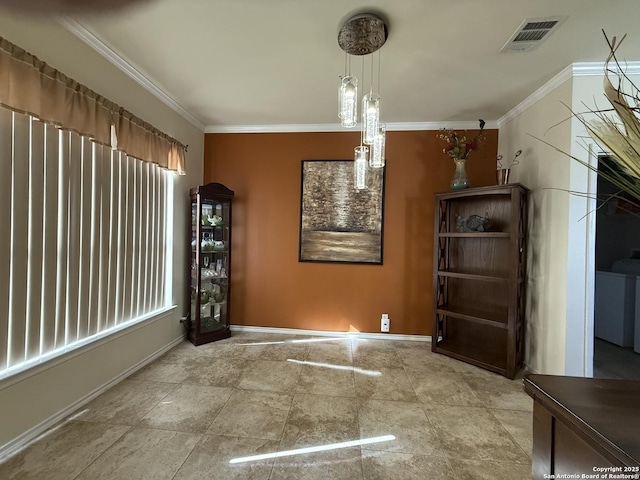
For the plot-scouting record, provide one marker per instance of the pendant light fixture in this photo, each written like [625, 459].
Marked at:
[370, 116]
[376, 160]
[360, 167]
[362, 35]
[348, 96]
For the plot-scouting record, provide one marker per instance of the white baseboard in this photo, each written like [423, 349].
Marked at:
[324, 333]
[18, 443]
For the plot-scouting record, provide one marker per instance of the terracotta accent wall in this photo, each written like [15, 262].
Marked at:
[272, 289]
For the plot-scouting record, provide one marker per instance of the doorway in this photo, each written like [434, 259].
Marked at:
[616, 354]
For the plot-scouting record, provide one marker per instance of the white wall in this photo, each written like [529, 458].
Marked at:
[27, 405]
[561, 256]
[543, 170]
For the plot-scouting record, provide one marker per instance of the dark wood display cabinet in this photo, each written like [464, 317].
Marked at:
[479, 276]
[210, 280]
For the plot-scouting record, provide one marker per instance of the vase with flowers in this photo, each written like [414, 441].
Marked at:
[459, 147]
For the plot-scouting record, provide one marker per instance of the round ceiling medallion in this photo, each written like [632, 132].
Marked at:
[362, 34]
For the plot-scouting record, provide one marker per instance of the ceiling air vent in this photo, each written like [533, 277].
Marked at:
[531, 33]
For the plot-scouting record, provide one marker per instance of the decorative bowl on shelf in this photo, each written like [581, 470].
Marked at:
[212, 221]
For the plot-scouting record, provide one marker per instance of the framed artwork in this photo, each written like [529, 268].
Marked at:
[337, 222]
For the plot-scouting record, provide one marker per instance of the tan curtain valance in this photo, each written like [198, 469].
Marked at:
[29, 85]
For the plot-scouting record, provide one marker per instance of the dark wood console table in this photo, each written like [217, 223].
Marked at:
[584, 426]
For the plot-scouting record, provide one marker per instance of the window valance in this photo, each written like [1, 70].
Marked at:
[29, 85]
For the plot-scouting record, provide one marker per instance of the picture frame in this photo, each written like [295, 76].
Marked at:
[337, 222]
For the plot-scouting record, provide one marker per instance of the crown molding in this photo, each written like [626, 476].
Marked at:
[544, 90]
[127, 68]
[336, 127]
[284, 128]
[581, 69]
[578, 69]
[459, 125]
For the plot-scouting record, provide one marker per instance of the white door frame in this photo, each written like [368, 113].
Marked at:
[589, 298]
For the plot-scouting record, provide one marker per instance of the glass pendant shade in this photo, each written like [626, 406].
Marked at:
[376, 160]
[360, 167]
[370, 117]
[348, 101]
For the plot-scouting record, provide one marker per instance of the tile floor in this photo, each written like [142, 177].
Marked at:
[189, 413]
[612, 361]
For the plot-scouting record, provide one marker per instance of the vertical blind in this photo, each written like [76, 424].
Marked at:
[84, 240]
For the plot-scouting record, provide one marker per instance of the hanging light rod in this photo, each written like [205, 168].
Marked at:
[362, 34]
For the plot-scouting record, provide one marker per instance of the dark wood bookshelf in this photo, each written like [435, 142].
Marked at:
[478, 280]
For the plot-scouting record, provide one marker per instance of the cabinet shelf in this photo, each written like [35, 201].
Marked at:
[472, 276]
[478, 279]
[491, 318]
[474, 234]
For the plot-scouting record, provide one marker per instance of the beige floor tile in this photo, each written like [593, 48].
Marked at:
[282, 352]
[126, 403]
[143, 454]
[189, 408]
[210, 459]
[443, 388]
[519, 425]
[478, 470]
[389, 384]
[247, 349]
[250, 413]
[322, 379]
[406, 421]
[405, 466]
[243, 335]
[63, 452]
[340, 464]
[162, 371]
[255, 337]
[271, 376]
[473, 433]
[417, 345]
[376, 359]
[421, 362]
[330, 352]
[366, 344]
[221, 372]
[463, 367]
[429, 362]
[181, 352]
[318, 420]
[184, 392]
[496, 391]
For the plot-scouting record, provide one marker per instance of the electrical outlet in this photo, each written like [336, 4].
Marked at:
[385, 322]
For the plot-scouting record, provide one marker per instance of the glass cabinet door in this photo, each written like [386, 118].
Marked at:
[210, 266]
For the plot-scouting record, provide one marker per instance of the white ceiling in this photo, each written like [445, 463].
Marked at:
[260, 63]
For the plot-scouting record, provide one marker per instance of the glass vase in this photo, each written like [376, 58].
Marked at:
[460, 180]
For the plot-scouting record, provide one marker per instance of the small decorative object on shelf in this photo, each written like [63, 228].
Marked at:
[478, 278]
[459, 148]
[502, 172]
[210, 263]
[474, 223]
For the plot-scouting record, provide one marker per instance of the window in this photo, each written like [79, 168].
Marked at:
[85, 241]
